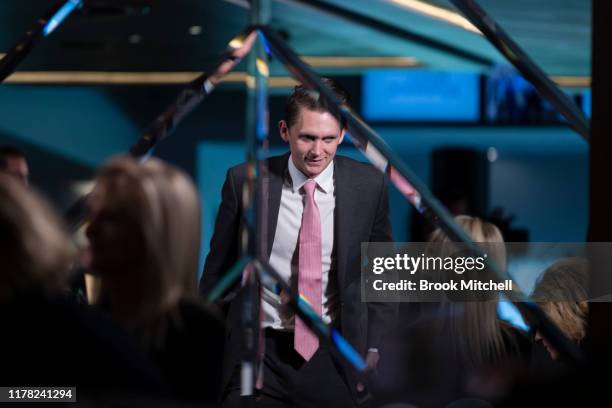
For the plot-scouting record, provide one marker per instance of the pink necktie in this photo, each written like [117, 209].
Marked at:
[305, 342]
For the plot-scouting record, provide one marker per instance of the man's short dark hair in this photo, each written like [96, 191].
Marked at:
[311, 100]
[7, 152]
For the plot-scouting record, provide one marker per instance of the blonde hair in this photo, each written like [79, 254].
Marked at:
[36, 249]
[486, 235]
[561, 292]
[164, 204]
[474, 325]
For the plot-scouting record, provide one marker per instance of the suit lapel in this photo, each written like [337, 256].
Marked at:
[344, 211]
[274, 182]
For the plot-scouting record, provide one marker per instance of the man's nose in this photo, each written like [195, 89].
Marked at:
[317, 148]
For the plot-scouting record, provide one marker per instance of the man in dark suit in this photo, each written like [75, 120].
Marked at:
[321, 207]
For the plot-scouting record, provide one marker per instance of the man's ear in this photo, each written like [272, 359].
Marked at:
[341, 138]
[283, 130]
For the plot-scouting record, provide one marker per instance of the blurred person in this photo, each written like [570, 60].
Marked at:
[561, 292]
[14, 162]
[456, 347]
[490, 353]
[36, 249]
[554, 379]
[481, 337]
[49, 340]
[144, 233]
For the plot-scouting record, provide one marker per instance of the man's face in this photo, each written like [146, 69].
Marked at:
[18, 167]
[313, 140]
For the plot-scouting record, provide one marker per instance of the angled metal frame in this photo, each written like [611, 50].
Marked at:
[493, 33]
[393, 30]
[43, 27]
[187, 100]
[414, 190]
[253, 202]
[364, 138]
[525, 65]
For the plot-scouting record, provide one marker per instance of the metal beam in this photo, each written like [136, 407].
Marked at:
[42, 28]
[525, 65]
[395, 31]
[413, 189]
[189, 98]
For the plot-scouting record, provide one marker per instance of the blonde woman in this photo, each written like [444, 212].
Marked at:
[144, 234]
[456, 347]
[561, 292]
[481, 338]
[48, 339]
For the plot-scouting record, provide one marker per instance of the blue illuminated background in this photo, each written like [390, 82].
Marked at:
[421, 95]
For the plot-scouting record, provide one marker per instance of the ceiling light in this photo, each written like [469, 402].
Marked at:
[102, 77]
[113, 77]
[361, 62]
[195, 30]
[131, 78]
[134, 38]
[572, 81]
[492, 154]
[436, 12]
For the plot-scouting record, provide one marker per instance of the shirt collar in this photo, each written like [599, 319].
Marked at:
[325, 180]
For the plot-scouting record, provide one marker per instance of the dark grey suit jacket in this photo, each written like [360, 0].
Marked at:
[361, 215]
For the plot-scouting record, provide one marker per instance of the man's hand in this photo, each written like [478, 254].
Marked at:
[371, 360]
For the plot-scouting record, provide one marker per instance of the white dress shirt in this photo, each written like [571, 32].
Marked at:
[284, 254]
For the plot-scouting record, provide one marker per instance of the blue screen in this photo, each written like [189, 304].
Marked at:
[421, 95]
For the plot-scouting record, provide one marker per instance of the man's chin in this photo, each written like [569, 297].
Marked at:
[314, 169]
